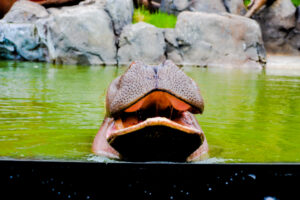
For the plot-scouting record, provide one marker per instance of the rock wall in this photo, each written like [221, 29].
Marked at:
[101, 32]
[81, 34]
[280, 27]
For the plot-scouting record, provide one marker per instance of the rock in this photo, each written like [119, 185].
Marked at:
[21, 41]
[143, 42]
[177, 6]
[298, 19]
[208, 39]
[121, 12]
[79, 35]
[292, 40]
[25, 12]
[211, 6]
[235, 7]
[5, 6]
[82, 34]
[276, 22]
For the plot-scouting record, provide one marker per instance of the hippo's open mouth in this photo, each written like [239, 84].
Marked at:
[150, 116]
[157, 127]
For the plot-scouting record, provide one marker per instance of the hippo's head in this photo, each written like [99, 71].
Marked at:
[150, 116]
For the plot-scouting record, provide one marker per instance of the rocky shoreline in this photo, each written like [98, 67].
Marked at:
[100, 32]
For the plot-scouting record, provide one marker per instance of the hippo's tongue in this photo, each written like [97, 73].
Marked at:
[156, 139]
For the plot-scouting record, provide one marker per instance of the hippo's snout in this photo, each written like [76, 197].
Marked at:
[150, 116]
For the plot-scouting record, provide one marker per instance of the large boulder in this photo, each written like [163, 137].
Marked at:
[211, 6]
[142, 42]
[121, 12]
[21, 41]
[25, 12]
[215, 40]
[277, 22]
[293, 38]
[177, 6]
[235, 7]
[79, 35]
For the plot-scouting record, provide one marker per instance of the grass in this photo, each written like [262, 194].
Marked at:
[247, 2]
[158, 19]
[296, 2]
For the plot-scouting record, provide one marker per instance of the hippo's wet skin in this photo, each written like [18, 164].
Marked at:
[150, 116]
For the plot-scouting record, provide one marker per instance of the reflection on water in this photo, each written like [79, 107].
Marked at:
[54, 112]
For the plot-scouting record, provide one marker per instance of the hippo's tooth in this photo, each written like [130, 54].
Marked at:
[119, 124]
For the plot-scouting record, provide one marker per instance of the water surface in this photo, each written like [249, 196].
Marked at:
[50, 112]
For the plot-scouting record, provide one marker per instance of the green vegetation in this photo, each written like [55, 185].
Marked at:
[296, 2]
[158, 19]
[247, 2]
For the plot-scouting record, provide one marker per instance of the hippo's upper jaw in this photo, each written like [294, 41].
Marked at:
[150, 116]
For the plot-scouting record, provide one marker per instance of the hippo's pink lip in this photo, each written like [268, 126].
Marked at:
[155, 121]
[156, 138]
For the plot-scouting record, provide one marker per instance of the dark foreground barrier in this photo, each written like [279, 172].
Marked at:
[85, 180]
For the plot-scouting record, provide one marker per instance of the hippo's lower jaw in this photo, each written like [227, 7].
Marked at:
[160, 131]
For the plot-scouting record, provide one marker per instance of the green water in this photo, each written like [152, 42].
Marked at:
[53, 112]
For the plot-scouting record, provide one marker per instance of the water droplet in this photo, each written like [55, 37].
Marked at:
[53, 189]
[171, 197]
[62, 182]
[226, 183]
[187, 193]
[236, 174]
[253, 176]
[269, 198]
[58, 193]
[209, 189]
[69, 196]
[150, 193]
[11, 177]
[145, 191]
[87, 197]
[231, 179]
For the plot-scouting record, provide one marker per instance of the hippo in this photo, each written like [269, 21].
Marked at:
[150, 116]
